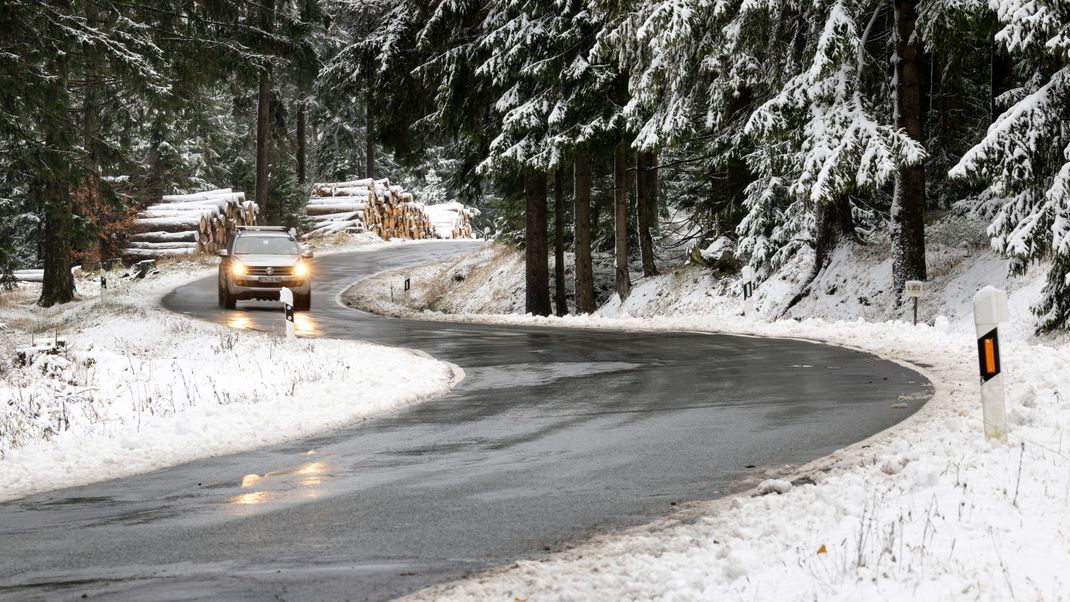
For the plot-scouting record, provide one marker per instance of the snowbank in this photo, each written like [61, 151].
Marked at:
[138, 388]
[926, 510]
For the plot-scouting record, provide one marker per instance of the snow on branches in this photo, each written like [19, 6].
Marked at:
[830, 142]
[1025, 155]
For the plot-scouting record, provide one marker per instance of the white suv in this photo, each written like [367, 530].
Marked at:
[258, 262]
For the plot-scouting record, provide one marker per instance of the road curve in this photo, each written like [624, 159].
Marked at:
[554, 435]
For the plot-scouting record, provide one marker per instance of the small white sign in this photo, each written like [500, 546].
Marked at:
[915, 288]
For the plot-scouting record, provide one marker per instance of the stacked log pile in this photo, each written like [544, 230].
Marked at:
[187, 224]
[377, 206]
[366, 206]
[452, 219]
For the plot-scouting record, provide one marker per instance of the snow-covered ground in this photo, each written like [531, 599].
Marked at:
[138, 388]
[927, 510]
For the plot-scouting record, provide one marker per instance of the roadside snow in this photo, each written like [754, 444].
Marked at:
[138, 388]
[927, 510]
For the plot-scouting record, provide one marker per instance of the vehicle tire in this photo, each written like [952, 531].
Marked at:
[303, 302]
[225, 300]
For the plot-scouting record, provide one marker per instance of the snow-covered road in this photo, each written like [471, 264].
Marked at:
[554, 435]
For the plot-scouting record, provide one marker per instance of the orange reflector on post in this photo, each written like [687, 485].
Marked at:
[990, 356]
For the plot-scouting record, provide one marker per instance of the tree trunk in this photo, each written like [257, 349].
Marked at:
[263, 141]
[908, 203]
[369, 137]
[582, 225]
[537, 272]
[263, 116]
[620, 220]
[91, 106]
[302, 143]
[560, 304]
[644, 205]
[54, 187]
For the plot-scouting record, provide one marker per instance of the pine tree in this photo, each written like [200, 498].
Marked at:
[1025, 156]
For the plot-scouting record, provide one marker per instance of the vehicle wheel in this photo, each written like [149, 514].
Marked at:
[303, 302]
[225, 300]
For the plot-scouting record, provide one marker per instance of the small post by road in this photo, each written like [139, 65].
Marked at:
[748, 290]
[287, 297]
[915, 289]
[989, 309]
[406, 294]
[103, 286]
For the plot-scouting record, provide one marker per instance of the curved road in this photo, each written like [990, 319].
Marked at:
[554, 435]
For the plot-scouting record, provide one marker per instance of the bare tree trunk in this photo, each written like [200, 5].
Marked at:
[54, 188]
[908, 203]
[369, 138]
[91, 105]
[537, 272]
[652, 167]
[620, 220]
[263, 117]
[644, 189]
[302, 143]
[582, 225]
[263, 141]
[560, 303]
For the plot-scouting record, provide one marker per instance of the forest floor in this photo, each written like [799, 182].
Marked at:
[135, 388]
[928, 509]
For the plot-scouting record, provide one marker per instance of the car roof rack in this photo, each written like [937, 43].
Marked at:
[263, 228]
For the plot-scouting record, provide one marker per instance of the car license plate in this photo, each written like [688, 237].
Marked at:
[270, 279]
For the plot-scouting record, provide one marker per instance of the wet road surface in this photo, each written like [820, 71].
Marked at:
[554, 435]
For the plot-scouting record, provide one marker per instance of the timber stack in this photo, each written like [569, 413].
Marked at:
[452, 219]
[371, 206]
[366, 206]
[188, 224]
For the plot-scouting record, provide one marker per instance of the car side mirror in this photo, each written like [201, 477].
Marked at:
[307, 254]
[222, 253]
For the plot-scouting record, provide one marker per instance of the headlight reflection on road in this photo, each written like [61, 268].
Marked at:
[304, 324]
[239, 321]
[303, 481]
[251, 499]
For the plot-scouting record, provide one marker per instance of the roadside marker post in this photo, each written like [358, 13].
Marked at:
[915, 289]
[748, 290]
[406, 294]
[989, 309]
[103, 286]
[287, 297]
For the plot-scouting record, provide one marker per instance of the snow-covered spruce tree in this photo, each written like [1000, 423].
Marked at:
[526, 52]
[819, 142]
[1025, 156]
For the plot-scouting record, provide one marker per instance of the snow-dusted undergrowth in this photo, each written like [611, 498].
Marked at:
[138, 388]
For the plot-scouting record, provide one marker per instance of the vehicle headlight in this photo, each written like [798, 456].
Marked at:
[238, 268]
[300, 269]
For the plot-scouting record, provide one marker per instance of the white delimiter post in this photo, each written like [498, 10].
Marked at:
[989, 309]
[287, 297]
[748, 290]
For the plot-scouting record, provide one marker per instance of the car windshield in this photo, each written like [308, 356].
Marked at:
[265, 245]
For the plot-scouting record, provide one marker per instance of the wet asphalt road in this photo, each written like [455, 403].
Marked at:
[554, 435]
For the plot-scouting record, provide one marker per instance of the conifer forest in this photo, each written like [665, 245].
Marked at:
[632, 128]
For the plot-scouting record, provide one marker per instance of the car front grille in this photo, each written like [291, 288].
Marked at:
[275, 271]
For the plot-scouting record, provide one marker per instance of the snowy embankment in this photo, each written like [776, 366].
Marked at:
[925, 510]
[138, 388]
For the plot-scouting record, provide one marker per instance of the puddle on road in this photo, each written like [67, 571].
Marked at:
[531, 375]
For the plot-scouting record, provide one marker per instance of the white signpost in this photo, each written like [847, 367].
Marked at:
[915, 289]
[989, 309]
[748, 290]
[287, 297]
[406, 294]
